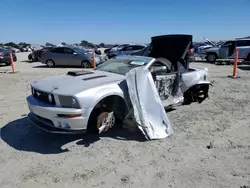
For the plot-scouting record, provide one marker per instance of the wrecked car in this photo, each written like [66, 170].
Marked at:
[97, 100]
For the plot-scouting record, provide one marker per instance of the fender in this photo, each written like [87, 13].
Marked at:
[94, 95]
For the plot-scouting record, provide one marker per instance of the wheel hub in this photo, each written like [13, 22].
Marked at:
[211, 57]
[105, 121]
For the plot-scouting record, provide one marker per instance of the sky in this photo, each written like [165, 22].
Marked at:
[120, 21]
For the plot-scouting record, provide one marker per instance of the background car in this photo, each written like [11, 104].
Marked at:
[227, 50]
[5, 56]
[126, 50]
[115, 48]
[70, 56]
[37, 54]
[98, 52]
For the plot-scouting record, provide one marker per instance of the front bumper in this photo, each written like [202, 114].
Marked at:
[45, 125]
[46, 117]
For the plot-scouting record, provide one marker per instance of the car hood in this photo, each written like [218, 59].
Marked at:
[172, 47]
[71, 85]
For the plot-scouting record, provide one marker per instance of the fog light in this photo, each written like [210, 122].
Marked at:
[59, 124]
[65, 125]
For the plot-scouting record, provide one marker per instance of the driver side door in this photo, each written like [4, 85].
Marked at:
[72, 58]
[226, 49]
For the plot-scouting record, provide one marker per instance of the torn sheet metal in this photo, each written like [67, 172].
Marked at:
[149, 112]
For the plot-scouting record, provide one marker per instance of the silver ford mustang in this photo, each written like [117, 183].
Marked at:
[82, 100]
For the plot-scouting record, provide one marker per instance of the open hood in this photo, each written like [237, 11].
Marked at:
[209, 41]
[172, 47]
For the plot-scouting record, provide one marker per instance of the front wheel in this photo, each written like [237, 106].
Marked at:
[105, 121]
[211, 58]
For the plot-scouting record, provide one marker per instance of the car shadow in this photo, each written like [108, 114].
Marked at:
[23, 136]
[245, 68]
[3, 65]
[62, 67]
[28, 61]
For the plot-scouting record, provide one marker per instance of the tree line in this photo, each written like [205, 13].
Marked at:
[24, 44]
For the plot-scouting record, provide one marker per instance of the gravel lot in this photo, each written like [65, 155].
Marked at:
[210, 146]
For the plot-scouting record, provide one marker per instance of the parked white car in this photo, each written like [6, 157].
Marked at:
[86, 100]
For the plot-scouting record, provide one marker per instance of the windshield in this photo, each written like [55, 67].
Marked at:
[119, 66]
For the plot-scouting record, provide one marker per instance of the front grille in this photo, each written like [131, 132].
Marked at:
[44, 120]
[43, 96]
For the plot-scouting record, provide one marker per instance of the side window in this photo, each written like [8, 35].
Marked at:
[68, 51]
[127, 48]
[243, 43]
[226, 44]
[58, 50]
[138, 47]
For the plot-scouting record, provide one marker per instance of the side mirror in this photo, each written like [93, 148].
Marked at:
[158, 69]
[74, 53]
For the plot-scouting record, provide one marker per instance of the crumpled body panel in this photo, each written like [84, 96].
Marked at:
[149, 112]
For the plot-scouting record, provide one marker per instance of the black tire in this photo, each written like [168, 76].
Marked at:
[50, 63]
[30, 57]
[211, 57]
[8, 64]
[167, 63]
[248, 58]
[86, 64]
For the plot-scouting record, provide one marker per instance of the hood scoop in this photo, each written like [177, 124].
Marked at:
[79, 73]
[94, 77]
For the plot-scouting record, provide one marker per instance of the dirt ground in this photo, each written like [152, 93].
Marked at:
[210, 146]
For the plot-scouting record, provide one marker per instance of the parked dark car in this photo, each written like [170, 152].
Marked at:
[115, 48]
[5, 56]
[125, 50]
[37, 54]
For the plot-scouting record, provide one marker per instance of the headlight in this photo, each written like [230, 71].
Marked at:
[68, 102]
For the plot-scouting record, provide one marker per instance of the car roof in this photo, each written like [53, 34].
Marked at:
[136, 45]
[238, 39]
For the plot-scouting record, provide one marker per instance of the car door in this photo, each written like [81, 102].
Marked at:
[72, 58]
[58, 56]
[226, 50]
[243, 46]
[126, 50]
[136, 48]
